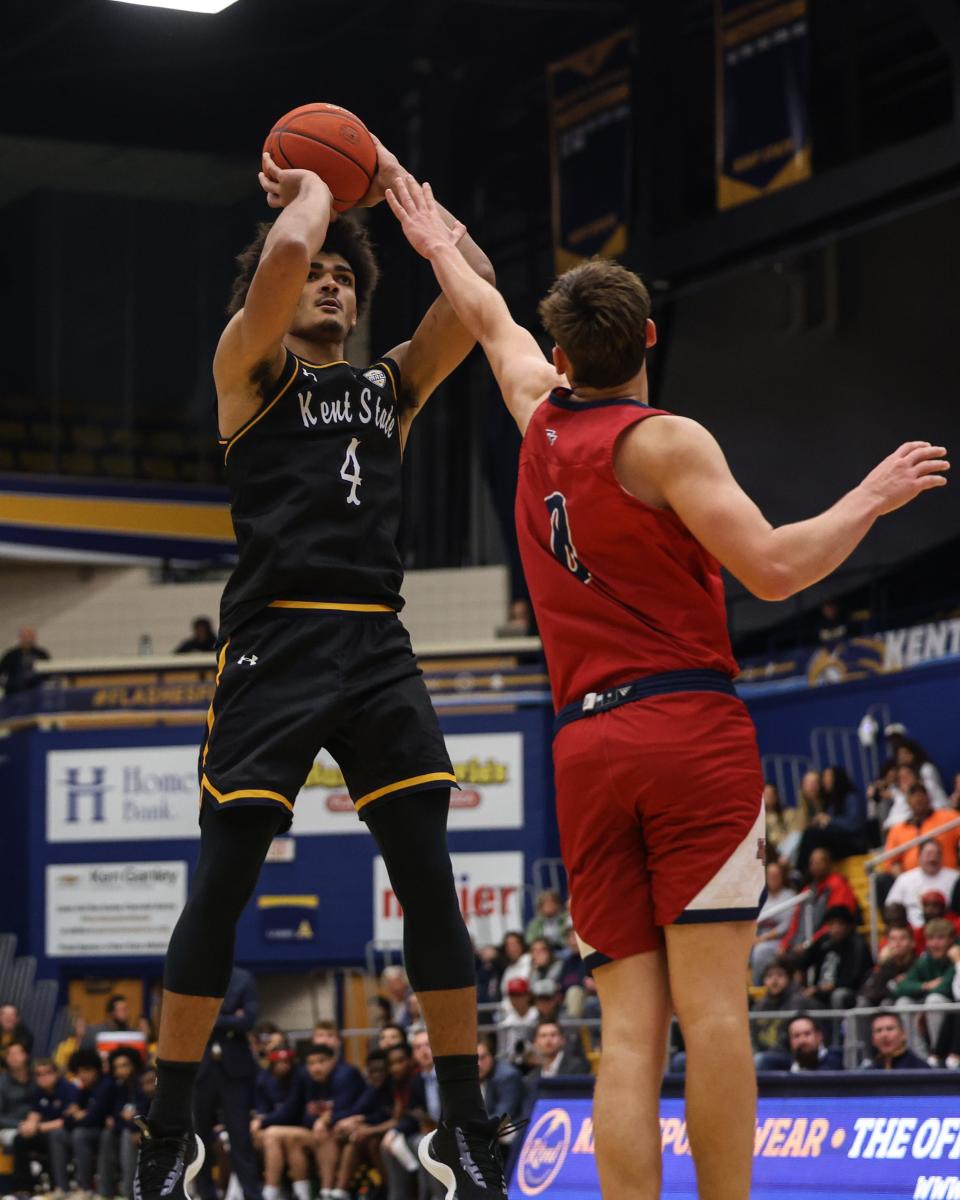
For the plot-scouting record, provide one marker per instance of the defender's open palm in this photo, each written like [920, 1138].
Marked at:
[416, 210]
[916, 467]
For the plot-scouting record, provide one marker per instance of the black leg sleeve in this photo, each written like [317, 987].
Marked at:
[233, 845]
[411, 832]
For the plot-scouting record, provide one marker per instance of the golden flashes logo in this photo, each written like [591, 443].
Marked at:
[472, 773]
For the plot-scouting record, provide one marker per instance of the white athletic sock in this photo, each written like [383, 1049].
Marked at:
[301, 1189]
[271, 1192]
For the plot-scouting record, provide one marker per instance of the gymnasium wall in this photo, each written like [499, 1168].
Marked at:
[809, 371]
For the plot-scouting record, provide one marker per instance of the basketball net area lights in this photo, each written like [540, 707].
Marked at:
[201, 6]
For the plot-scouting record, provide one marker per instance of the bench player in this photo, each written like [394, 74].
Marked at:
[313, 652]
[624, 515]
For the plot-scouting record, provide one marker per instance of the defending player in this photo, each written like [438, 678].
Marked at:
[622, 519]
[314, 654]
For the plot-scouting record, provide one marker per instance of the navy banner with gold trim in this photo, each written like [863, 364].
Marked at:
[591, 150]
[763, 123]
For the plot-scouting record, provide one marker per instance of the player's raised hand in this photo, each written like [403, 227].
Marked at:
[417, 211]
[388, 170]
[284, 186]
[916, 467]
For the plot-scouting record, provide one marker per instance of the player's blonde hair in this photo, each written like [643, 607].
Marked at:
[597, 314]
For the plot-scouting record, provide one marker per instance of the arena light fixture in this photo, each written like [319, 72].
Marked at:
[201, 6]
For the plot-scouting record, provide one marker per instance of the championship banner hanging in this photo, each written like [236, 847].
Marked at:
[763, 124]
[591, 150]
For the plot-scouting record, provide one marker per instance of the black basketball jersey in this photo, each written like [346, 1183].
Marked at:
[315, 491]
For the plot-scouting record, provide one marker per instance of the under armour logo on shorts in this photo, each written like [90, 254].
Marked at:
[247, 659]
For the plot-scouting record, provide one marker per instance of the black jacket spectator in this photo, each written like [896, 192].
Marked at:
[17, 665]
[842, 960]
[503, 1091]
[238, 1015]
[51, 1104]
[907, 1061]
[343, 1089]
[280, 1101]
[15, 1096]
[203, 637]
[98, 1103]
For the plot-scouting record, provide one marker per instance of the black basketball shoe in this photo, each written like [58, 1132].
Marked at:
[467, 1159]
[165, 1165]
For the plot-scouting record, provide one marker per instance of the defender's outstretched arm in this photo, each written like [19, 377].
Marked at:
[517, 361]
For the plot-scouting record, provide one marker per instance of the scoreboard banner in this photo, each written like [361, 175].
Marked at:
[806, 1147]
[591, 150]
[763, 122]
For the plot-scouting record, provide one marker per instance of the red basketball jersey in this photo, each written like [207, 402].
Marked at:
[621, 590]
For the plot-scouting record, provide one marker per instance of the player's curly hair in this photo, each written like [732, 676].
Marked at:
[346, 237]
[597, 314]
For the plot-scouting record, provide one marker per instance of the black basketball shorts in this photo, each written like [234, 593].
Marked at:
[295, 679]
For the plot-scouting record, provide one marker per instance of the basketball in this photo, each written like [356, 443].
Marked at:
[331, 141]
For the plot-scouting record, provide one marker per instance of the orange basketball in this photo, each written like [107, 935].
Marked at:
[331, 141]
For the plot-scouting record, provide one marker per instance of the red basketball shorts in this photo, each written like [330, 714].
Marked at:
[661, 819]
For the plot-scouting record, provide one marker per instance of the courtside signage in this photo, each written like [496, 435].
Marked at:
[122, 795]
[99, 910]
[805, 1148]
[489, 769]
[490, 889]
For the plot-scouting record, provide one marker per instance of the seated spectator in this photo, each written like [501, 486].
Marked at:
[266, 1036]
[781, 823]
[396, 987]
[16, 1085]
[896, 796]
[326, 1033]
[515, 1026]
[832, 622]
[87, 1117]
[516, 960]
[71, 1043]
[842, 825]
[544, 964]
[770, 1040]
[416, 1113]
[880, 794]
[202, 637]
[43, 1134]
[330, 1091]
[551, 922]
[118, 1020]
[489, 970]
[500, 1084]
[807, 1049]
[894, 960]
[890, 1049]
[930, 875]
[362, 1131]
[119, 1144]
[946, 1047]
[771, 930]
[17, 666]
[390, 1036]
[573, 974]
[953, 800]
[841, 962]
[278, 1094]
[933, 904]
[830, 890]
[908, 752]
[930, 982]
[12, 1029]
[549, 1057]
[924, 821]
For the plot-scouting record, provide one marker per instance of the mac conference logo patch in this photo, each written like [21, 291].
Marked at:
[376, 376]
[544, 1152]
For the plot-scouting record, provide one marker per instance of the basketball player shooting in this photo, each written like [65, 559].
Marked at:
[624, 515]
[313, 654]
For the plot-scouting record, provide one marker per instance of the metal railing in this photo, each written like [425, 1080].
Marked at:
[876, 860]
[806, 897]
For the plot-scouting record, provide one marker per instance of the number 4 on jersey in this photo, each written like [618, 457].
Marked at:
[351, 462]
[561, 539]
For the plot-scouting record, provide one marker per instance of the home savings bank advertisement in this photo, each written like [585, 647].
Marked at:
[806, 1148]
